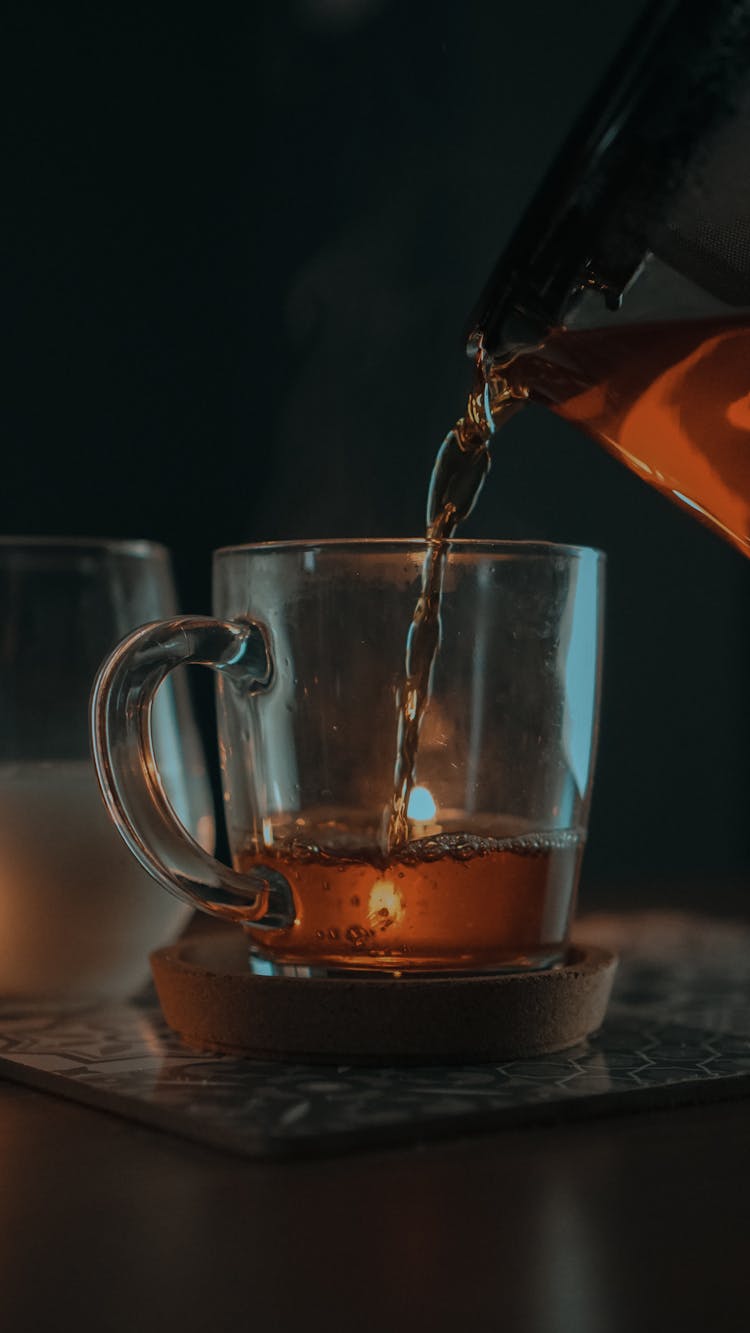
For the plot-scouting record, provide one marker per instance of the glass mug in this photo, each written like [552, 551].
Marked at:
[308, 647]
[77, 915]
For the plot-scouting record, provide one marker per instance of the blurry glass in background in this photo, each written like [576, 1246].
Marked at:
[77, 914]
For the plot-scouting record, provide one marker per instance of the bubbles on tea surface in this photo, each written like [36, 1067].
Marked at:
[467, 846]
[358, 936]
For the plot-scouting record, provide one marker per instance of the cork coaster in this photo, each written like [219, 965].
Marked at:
[209, 997]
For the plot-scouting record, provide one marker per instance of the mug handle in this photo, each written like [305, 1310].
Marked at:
[122, 744]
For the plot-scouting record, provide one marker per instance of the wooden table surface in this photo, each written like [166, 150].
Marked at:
[634, 1222]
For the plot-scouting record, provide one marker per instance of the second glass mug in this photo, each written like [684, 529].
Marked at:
[308, 647]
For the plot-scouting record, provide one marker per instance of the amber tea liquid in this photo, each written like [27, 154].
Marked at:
[448, 901]
[670, 400]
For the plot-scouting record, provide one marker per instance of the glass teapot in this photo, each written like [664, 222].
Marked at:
[623, 300]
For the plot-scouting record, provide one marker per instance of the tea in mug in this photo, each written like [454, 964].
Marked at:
[446, 902]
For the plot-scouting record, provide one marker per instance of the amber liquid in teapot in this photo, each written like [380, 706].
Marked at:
[671, 400]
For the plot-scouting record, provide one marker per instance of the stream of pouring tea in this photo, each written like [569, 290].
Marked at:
[458, 474]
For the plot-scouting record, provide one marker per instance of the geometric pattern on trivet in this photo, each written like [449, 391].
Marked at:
[124, 1059]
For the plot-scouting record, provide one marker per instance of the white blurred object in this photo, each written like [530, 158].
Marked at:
[78, 916]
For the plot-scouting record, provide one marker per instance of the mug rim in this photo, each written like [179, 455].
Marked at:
[467, 545]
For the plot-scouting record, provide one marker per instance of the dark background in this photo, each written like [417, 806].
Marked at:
[241, 245]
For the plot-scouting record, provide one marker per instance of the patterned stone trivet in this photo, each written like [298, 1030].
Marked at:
[677, 1032]
[210, 998]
